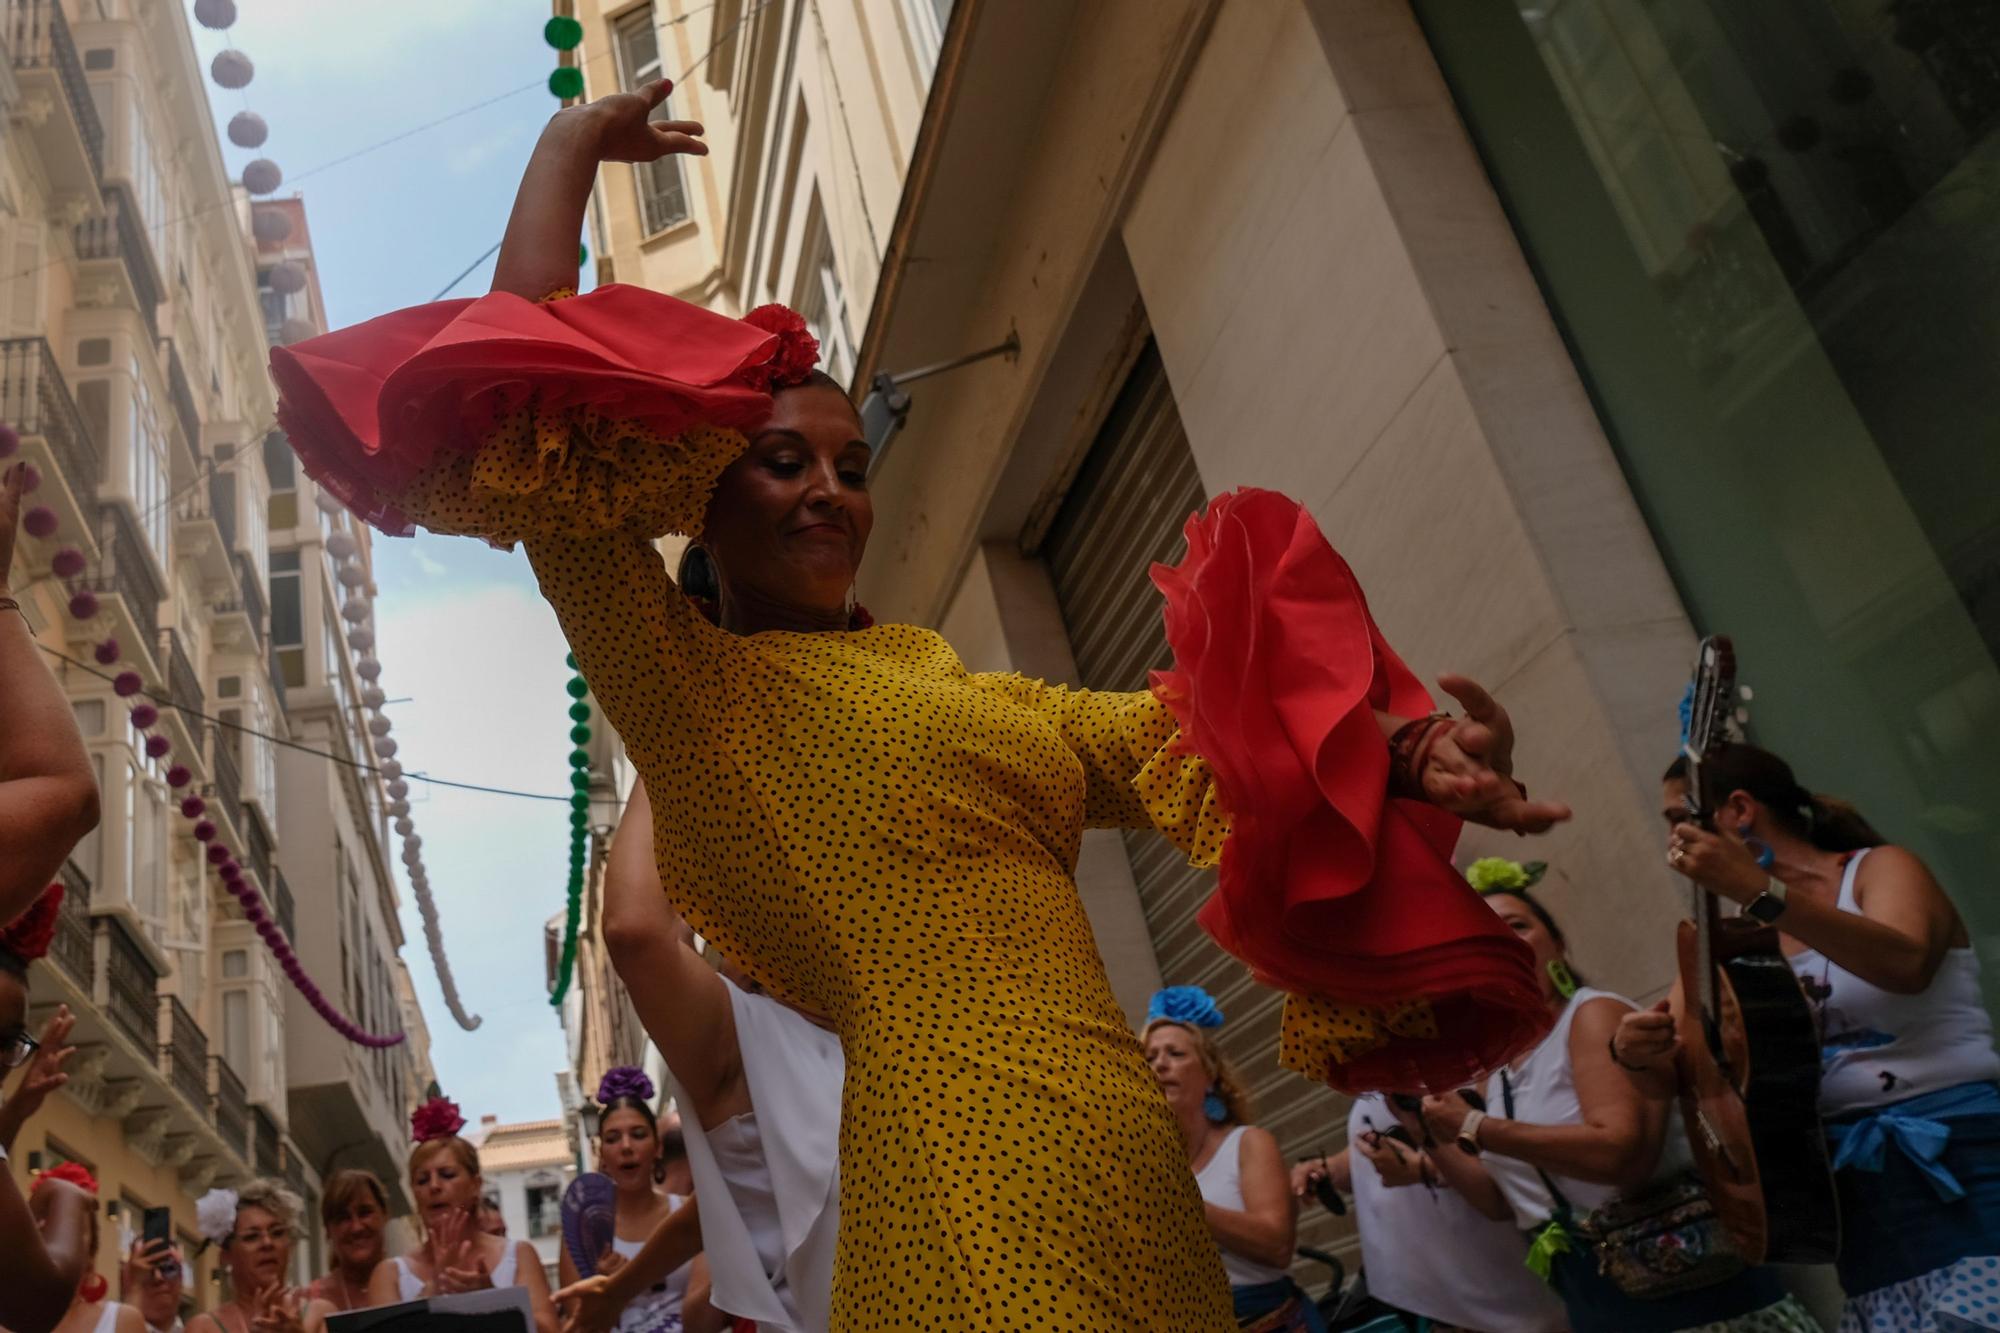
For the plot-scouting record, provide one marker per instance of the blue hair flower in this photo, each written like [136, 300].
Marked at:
[1188, 1005]
[1687, 711]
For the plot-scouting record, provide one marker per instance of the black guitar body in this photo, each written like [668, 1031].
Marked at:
[1780, 1086]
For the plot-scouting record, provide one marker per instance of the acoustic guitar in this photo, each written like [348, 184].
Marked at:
[1750, 1053]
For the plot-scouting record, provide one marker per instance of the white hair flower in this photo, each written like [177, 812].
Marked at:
[215, 1215]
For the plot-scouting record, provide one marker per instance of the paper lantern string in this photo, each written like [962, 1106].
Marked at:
[68, 564]
[579, 826]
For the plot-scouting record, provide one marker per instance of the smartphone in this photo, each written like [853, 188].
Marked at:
[158, 1225]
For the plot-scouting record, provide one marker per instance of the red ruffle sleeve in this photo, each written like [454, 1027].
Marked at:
[1329, 888]
[373, 407]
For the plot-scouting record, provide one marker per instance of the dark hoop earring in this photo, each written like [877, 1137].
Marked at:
[659, 1170]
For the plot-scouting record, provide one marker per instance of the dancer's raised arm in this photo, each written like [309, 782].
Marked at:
[539, 254]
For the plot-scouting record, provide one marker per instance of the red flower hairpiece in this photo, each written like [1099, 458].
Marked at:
[29, 935]
[437, 1118]
[796, 354]
[74, 1172]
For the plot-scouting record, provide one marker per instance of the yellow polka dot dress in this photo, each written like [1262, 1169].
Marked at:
[875, 833]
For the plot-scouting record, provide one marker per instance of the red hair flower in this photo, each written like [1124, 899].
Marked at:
[29, 935]
[437, 1118]
[75, 1173]
[797, 351]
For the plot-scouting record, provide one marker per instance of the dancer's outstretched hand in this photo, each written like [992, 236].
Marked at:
[628, 133]
[1469, 770]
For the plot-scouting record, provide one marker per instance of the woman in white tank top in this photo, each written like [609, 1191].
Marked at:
[1908, 1067]
[1245, 1190]
[630, 1152]
[759, 1087]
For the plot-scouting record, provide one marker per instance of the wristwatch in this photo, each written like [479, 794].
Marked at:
[1769, 905]
[1468, 1133]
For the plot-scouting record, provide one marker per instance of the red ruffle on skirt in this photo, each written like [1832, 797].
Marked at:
[369, 407]
[1328, 886]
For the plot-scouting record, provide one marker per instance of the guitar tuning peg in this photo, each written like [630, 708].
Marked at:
[1744, 693]
[1741, 717]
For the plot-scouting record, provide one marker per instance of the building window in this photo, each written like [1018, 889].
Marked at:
[236, 1030]
[821, 301]
[1771, 244]
[926, 20]
[662, 185]
[146, 467]
[288, 624]
[283, 469]
[544, 1217]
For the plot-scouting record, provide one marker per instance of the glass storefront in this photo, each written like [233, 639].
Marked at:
[1770, 230]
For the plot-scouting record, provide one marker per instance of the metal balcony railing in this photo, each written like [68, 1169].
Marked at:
[38, 37]
[257, 848]
[73, 949]
[185, 1052]
[232, 1106]
[282, 906]
[228, 777]
[126, 569]
[183, 681]
[269, 1159]
[253, 595]
[182, 394]
[117, 233]
[130, 990]
[35, 400]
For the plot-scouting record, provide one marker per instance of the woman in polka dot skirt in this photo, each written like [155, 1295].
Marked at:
[872, 832]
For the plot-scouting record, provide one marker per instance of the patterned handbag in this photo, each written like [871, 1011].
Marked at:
[1662, 1242]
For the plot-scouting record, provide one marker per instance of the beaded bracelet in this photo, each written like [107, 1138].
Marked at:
[1408, 749]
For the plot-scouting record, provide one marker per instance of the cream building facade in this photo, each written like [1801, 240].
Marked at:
[525, 1166]
[132, 365]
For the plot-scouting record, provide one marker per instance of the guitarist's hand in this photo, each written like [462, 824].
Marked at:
[1646, 1038]
[1719, 862]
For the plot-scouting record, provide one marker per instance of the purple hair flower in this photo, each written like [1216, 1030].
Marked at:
[624, 1081]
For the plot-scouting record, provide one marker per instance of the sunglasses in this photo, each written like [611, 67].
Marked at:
[17, 1050]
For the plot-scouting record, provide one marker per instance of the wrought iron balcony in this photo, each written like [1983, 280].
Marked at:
[35, 400]
[38, 37]
[227, 784]
[253, 595]
[269, 1158]
[73, 949]
[185, 1052]
[257, 850]
[182, 394]
[118, 236]
[128, 989]
[127, 570]
[232, 1106]
[282, 906]
[183, 681]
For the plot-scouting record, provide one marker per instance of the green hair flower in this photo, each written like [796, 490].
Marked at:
[1496, 874]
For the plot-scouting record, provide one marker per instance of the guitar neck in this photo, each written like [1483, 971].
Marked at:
[1707, 925]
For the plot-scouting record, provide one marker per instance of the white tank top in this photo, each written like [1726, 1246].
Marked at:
[411, 1287]
[1544, 1093]
[658, 1310]
[738, 1147]
[107, 1318]
[1221, 1183]
[1877, 1047]
[1430, 1252]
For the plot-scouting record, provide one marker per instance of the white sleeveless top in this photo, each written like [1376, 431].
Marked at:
[107, 1318]
[1221, 1183]
[1430, 1252]
[1877, 1047]
[1545, 1094]
[411, 1287]
[768, 1180]
[658, 1310]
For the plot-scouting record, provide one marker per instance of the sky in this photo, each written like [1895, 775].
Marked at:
[462, 632]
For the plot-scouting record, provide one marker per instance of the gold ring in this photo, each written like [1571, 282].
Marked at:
[1674, 856]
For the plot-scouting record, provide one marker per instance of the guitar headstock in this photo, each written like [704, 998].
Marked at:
[1711, 708]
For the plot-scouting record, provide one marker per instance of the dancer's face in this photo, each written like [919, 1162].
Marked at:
[790, 518]
[628, 1147]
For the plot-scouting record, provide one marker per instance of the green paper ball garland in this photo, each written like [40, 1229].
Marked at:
[562, 32]
[579, 817]
[566, 82]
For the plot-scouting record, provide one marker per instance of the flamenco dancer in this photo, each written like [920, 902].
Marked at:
[877, 836]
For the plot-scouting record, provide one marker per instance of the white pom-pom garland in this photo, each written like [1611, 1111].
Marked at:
[263, 175]
[232, 69]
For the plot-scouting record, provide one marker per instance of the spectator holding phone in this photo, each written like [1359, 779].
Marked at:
[1236, 1165]
[154, 1279]
[1424, 1249]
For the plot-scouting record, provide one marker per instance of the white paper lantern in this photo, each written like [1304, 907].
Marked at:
[411, 856]
[386, 747]
[270, 225]
[248, 130]
[232, 69]
[378, 725]
[352, 576]
[368, 669]
[217, 14]
[341, 545]
[403, 825]
[399, 789]
[391, 770]
[354, 610]
[287, 277]
[328, 502]
[361, 640]
[297, 331]
[412, 843]
[262, 176]
[399, 808]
